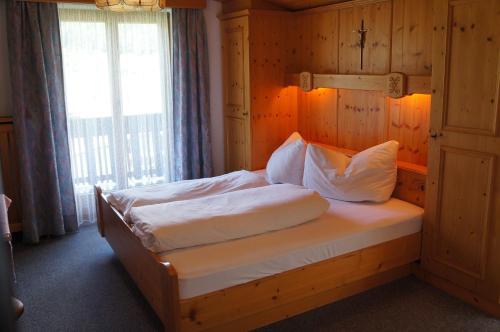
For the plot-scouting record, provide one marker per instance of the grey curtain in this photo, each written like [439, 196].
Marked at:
[191, 108]
[40, 120]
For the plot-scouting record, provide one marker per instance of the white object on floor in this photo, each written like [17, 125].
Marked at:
[225, 217]
[369, 175]
[344, 228]
[124, 200]
[286, 164]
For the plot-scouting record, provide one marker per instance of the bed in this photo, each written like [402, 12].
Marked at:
[246, 283]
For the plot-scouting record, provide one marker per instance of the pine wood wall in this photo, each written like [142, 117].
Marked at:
[273, 106]
[399, 39]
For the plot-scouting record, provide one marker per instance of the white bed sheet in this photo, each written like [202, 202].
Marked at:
[344, 228]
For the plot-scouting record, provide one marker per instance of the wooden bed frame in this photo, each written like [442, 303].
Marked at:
[260, 302]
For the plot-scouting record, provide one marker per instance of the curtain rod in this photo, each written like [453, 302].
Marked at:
[163, 3]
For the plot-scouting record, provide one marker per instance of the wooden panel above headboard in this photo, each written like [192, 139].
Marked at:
[325, 44]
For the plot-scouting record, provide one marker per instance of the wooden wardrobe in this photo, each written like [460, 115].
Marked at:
[449, 136]
[259, 111]
[461, 250]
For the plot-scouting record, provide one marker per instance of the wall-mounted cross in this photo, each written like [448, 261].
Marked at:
[362, 39]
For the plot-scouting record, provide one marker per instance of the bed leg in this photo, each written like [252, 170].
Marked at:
[170, 298]
[98, 206]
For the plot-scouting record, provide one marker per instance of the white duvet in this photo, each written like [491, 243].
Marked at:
[124, 200]
[223, 217]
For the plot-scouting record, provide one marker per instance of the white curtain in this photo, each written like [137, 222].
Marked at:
[117, 79]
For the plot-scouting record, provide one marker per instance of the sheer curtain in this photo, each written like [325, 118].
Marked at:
[117, 80]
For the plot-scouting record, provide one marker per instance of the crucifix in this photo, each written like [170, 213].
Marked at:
[362, 39]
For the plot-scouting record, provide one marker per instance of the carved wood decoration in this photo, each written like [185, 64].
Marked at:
[305, 81]
[394, 85]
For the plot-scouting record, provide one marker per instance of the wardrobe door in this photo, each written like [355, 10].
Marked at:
[236, 94]
[235, 142]
[462, 217]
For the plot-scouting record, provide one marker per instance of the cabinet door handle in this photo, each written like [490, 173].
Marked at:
[245, 113]
[436, 135]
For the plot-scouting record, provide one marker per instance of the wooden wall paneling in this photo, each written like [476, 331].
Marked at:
[318, 115]
[273, 107]
[462, 228]
[362, 119]
[10, 172]
[410, 186]
[377, 49]
[304, 42]
[412, 37]
[317, 50]
[316, 42]
[409, 125]
[324, 42]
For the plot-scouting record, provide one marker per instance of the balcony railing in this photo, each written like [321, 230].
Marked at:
[137, 156]
[131, 152]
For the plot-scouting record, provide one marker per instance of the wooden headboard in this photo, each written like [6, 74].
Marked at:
[410, 185]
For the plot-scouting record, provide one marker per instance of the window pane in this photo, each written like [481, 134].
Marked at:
[86, 72]
[140, 69]
[116, 80]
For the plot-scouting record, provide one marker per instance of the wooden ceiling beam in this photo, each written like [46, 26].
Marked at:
[291, 5]
[229, 6]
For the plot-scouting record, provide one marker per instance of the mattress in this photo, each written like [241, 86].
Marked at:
[344, 228]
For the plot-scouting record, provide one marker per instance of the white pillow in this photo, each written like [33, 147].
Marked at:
[369, 176]
[286, 164]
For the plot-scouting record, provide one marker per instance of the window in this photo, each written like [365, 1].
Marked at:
[118, 92]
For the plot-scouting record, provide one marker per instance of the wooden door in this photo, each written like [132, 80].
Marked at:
[462, 218]
[236, 93]
[235, 143]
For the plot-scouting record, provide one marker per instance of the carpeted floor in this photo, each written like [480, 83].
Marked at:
[75, 283]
